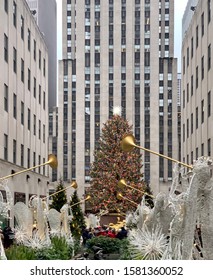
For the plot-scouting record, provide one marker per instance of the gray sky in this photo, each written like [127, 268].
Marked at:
[179, 10]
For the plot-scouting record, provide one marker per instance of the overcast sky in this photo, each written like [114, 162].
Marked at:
[179, 10]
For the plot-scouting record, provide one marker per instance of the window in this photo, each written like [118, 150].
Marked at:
[39, 129]
[209, 147]
[28, 119]
[5, 48]
[209, 56]
[14, 13]
[22, 28]
[191, 123]
[209, 103]
[197, 36]
[110, 58]
[22, 70]
[187, 128]
[34, 159]
[196, 117]
[28, 39]
[202, 149]
[87, 59]
[34, 124]
[22, 112]
[39, 94]
[5, 97]
[202, 67]
[202, 24]
[187, 92]
[184, 132]
[39, 59]
[43, 166]
[196, 77]
[192, 85]
[5, 147]
[6, 6]
[187, 57]
[184, 66]
[209, 11]
[147, 58]
[202, 111]
[34, 50]
[29, 79]
[183, 98]
[44, 100]
[14, 151]
[14, 60]
[44, 67]
[14, 106]
[28, 158]
[192, 47]
[22, 155]
[192, 157]
[34, 87]
[43, 133]
[39, 162]
[123, 58]
[196, 153]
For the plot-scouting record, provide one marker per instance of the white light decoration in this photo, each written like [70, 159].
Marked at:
[117, 110]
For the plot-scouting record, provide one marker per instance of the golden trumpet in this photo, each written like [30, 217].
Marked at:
[120, 197]
[128, 144]
[73, 185]
[81, 201]
[122, 184]
[52, 162]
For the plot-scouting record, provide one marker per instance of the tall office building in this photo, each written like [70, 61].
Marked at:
[117, 53]
[45, 14]
[197, 85]
[23, 102]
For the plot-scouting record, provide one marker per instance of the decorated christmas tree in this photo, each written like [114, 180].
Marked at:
[78, 221]
[60, 198]
[111, 165]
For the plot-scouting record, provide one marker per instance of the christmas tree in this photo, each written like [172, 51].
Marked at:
[60, 198]
[110, 165]
[78, 221]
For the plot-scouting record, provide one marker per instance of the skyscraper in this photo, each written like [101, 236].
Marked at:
[117, 53]
[197, 87]
[23, 102]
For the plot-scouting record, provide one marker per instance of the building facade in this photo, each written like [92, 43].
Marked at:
[197, 84]
[117, 53]
[45, 14]
[23, 102]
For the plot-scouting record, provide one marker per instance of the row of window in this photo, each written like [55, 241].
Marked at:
[197, 38]
[22, 112]
[14, 56]
[22, 28]
[187, 128]
[197, 152]
[186, 93]
[22, 163]
[6, 98]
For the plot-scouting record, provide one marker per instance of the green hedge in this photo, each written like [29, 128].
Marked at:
[111, 246]
[59, 250]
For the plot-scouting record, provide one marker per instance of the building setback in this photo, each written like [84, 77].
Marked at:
[23, 102]
[117, 53]
[197, 85]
